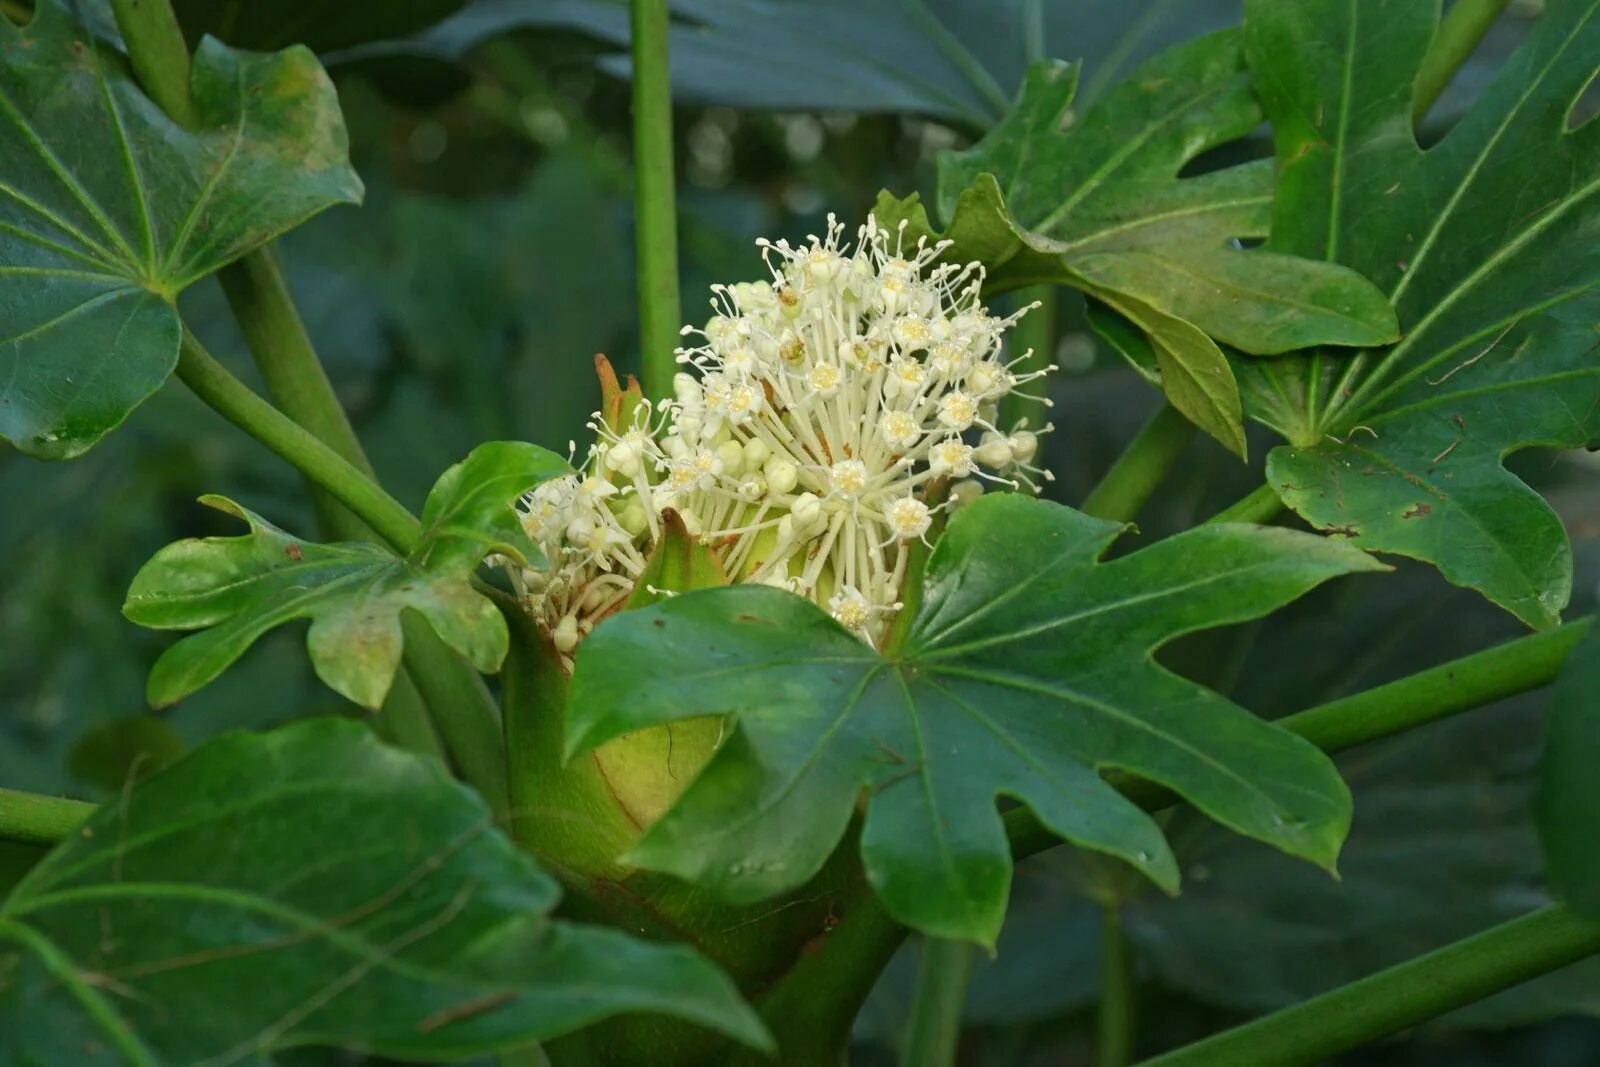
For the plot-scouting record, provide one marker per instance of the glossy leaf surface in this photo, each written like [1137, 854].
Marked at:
[311, 886]
[1095, 201]
[1026, 670]
[1487, 245]
[108, 210]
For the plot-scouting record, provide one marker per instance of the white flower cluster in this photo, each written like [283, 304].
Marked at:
[826, 404]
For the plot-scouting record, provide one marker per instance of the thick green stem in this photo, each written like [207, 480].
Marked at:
[463, 710]
[289, 366]
[1459, 685]
[1261, 506]
[403, 720]
[1459, 33]
[809, 1009]
[234, 401]
[159, 55]
[654, 200]
[1115, 1023]
[1391, 1000]
[933, 1033]
[39, 820]
[1142, 466]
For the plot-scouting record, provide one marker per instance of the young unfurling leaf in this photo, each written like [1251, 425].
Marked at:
[234, 589]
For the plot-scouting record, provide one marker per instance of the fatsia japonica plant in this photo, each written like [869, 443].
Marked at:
[656, 746]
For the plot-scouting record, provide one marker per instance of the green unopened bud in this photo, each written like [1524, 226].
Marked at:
[731, 453]
[633, 518]
[993, 452]
[782, 475]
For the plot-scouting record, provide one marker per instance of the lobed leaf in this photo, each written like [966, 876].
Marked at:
[234, 589]
[1095, 201]
[1485, 243]
[108, 209]
[1026, 670]
[360, 896]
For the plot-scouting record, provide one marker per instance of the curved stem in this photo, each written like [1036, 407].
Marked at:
[933, 1032]
[295, 379]
[1459, 685]
[1261, 506]
[1115, 1023]
[1458, 34]
[654, 201]
[1391, 1000]
[231, 398]
[1141, 467]
[39, 820]
[159, 55]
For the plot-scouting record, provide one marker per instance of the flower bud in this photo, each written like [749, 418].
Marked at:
[565, 635]
[782, 475]
[994, 451]
[1024, 446]
[633, 519]
[731, 453]
[964, 493]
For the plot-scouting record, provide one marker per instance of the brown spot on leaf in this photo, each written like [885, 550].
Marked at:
[1416, 511]
[293, 552]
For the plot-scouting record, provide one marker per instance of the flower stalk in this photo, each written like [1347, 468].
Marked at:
[654, 198]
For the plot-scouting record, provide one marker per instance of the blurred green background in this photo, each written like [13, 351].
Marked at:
[493, 257]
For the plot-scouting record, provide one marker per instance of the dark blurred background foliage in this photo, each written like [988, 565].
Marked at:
[493, 257]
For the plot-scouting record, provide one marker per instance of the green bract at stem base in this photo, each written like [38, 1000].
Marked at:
[1393, 999]
[655, 206]
[819, 995]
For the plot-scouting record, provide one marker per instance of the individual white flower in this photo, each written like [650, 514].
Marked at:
[823, 406]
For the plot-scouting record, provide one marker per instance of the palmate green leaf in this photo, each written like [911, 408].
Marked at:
[953, 60]
[1095, 201]
[234, 589]
[108, 210]
[1485, 242]
[1569, 801]
[1027, 669]
[311, 886]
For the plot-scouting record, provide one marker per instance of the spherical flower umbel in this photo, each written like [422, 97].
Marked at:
[812, 420]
